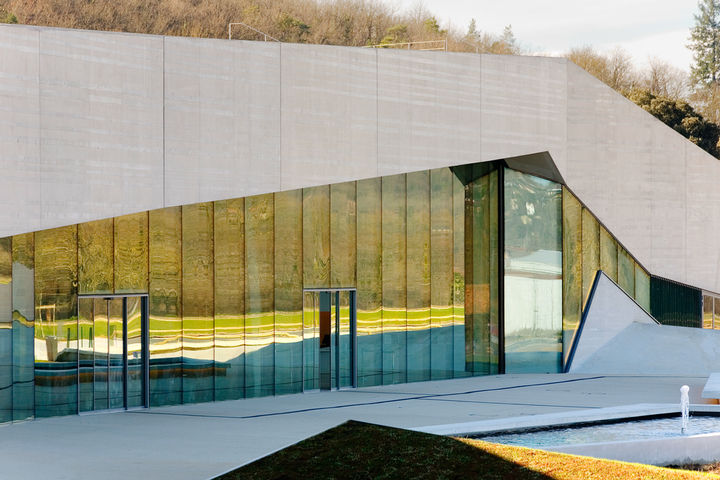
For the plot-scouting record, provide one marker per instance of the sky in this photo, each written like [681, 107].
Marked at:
[643, 28]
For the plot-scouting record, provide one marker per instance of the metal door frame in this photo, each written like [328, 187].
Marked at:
[352, 304]
[144, 348]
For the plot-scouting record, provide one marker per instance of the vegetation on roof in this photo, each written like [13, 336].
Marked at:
[356, 450]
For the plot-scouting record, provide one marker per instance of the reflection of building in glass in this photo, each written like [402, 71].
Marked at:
[216, 220]
[385, 280]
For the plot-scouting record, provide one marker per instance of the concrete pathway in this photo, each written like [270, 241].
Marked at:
[203, 440]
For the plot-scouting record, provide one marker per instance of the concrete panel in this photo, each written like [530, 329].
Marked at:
[429, 110]
[222, 119]
[329, 114]
[524, 104]
[101, 124]
[20, 194]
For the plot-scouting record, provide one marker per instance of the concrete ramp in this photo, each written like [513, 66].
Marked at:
[617, 336]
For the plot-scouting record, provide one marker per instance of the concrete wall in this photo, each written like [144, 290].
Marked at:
[97, 124]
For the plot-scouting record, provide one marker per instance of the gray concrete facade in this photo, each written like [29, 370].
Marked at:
[100, 124]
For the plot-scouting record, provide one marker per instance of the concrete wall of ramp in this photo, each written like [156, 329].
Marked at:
[618, 337]
[97, 124]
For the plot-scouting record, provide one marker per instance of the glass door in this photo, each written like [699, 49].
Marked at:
[112, 358]
[329, 339]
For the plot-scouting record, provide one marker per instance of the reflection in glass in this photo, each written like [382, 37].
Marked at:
[707, 311]
[259, 297]
[626, 272]
[459, 342]
[418, 276]
[642, 287]
[95, 260]
[131, 253]
[590, 251]
[394, 280]
[229, 299]
[441, 268]
[311, 341]
[6, 365]
[101, 352]
[134, 352]
[369, 282]
[86, 353]
[56, 271]
[316, 236]
[115, 358]
[288, 292]
[608, 254]
[23, 316]
[165, 323]
[533, 274]
[197, 303]
[343, 240]
[716, 317]
[572, 268]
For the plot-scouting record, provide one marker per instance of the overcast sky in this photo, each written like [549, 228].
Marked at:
[644, 28]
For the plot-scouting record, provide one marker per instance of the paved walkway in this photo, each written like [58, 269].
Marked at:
[203, 440]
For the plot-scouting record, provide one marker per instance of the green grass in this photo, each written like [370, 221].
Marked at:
[356, 450]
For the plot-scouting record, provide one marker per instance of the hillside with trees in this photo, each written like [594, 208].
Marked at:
[688, 104]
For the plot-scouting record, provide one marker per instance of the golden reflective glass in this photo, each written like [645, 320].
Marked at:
[131, 253]
[642, 287]
[394, 279]
[441, 273]
[716, 316]
[95, 256]
[6, 357]
[86, 352]
[707, 312]
[418, 276]
[56, 287]
[369, 282]
[572, 268]
[590, 251]
[459, 275]
[23, 315]
[316, 237]
[626, 272]
[288, 292]
[165, 322]
[259, 296]
[608, 254]
[197, 303]
[229, 299]
[343, 221]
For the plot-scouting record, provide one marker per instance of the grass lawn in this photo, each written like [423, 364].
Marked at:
[356, 450]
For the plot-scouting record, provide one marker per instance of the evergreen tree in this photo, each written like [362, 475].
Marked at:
[705, 43]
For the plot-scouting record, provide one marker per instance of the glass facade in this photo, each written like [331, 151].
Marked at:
[444, 273]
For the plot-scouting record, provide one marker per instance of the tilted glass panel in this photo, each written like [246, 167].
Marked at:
[590, 251]
[198, 304]
[716, 318]
[131, 253]
[259, 296]
[459, 275]
[343, 221]
[441, 276]
[418, 276]
[316, 237]
[56, 277]
[165, 322]
[288, 292]
[116, 361]
[533, 274]
[642, 287]
[101, 353]
[626, 272]
[6, 359]
[95, 256]
[707, 311]
[608, 254]
[23, 304]
[311, 345]
[394, 279]
[86, 352]
[134, 352]
[369, 282]
[572, 269]
[229, 299]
